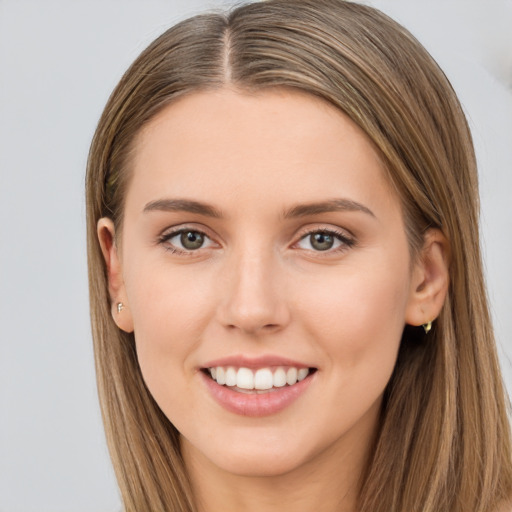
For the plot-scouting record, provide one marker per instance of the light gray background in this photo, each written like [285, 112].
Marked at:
[59, 60]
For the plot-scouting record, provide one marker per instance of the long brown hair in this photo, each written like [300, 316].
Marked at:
[443, 442]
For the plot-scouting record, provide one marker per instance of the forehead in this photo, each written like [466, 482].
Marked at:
[230, 146]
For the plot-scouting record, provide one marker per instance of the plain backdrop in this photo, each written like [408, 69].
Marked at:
[59, 60]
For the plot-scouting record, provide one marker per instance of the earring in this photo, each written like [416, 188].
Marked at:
[427, 327]
[120, 307]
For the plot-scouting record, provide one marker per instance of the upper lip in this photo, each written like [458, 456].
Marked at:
[264, 361]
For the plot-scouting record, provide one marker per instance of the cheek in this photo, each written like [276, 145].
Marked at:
[357, 327]
[170, 309]
[365, 298]
[164, 298]
[357, 317]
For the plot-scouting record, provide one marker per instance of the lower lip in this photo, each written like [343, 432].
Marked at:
[263, 404]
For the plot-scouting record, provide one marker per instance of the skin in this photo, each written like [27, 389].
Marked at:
[259, 286]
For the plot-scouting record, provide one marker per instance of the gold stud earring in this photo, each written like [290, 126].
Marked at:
[120, 307]
[427, 327]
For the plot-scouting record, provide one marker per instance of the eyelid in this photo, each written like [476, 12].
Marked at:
[346, 238]
[173, 231]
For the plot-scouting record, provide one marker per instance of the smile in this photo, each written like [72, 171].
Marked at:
[256, 391]
[259, 381]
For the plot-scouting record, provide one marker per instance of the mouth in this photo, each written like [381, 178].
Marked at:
[257, 381]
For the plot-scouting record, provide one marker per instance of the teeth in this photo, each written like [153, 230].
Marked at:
[221, 375]
[230, 376]
[245, 379]
[261, 379]
[279, 378]
[301, 374]
[291, 376]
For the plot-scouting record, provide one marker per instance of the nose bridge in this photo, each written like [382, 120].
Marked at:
[254, 298]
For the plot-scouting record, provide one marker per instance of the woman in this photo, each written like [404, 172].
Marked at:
[287, 297]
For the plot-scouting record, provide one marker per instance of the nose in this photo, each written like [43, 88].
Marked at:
[254, 294]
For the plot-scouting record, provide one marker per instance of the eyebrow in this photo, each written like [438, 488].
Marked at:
[301, 210]
[331, 205]
[183, 205]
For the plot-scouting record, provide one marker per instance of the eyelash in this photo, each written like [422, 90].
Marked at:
[164, 240]
[346, 241]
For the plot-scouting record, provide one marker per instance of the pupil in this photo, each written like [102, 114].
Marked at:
[322, 241]
[191, 240]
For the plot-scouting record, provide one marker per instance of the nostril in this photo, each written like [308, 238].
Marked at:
[253, 327]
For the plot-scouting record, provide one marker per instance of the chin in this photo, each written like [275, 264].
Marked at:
[259, 464]
[263, 456]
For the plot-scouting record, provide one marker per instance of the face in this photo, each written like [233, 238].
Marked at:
[263, 244]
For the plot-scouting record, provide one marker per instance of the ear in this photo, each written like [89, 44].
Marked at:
[122, 315]
[430, 279]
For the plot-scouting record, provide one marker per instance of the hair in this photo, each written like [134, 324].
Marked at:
[443, 441]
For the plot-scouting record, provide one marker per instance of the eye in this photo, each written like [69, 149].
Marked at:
[186, 240]
[325, 240]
